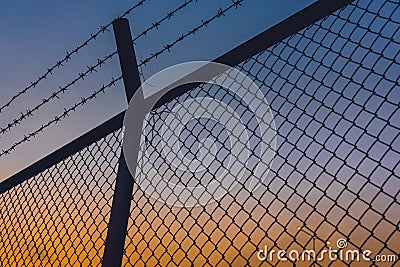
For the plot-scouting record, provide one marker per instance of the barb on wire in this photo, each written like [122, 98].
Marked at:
[55, 94]
[58, 118]
[221, 12]
[67, 57]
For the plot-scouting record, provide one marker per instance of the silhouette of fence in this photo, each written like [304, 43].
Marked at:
[330, 76]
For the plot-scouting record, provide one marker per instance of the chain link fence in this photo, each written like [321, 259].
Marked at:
[60, 216]
[333, 89]
[334, 92]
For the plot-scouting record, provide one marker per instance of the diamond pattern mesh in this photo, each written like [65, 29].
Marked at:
[333, 89]
[60, 216]
[334, 92]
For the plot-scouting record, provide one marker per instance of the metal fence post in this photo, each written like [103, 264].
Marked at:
[120, 210]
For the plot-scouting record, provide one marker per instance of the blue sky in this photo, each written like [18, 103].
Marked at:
[35, 34]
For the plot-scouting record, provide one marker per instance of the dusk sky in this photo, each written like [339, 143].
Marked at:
[333, 90]
[35, 35]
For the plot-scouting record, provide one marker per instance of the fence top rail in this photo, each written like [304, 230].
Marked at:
[255, 45]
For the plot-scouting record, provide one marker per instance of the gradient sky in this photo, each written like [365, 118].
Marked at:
[336, 111]
[35, 34]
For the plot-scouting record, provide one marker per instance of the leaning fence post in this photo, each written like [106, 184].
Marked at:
[120, 210]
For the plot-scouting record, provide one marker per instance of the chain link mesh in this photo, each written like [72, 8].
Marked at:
[60, 216]
[334, 92]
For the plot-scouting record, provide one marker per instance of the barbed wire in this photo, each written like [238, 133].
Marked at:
[68, 56]
[57, 119]
[90, 69]
[81, 76]
[221, 12]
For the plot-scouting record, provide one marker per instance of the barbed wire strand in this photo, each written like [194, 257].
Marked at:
[156, 24]
[65, 114]
[221, 12]
[167, 17]
[68, 56]
[90, 69]
[62, 89]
